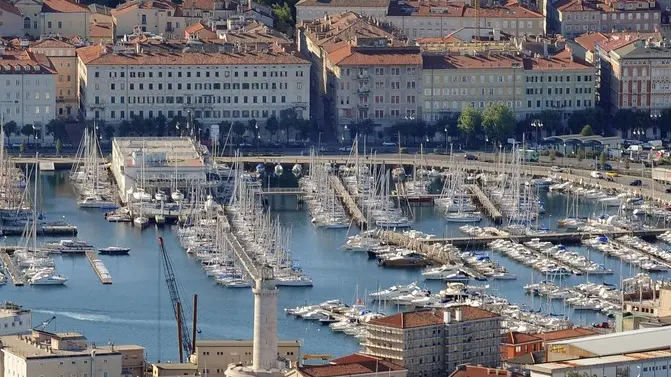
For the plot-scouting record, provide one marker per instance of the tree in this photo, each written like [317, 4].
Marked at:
[161, 125]
[602, 158]
[470, 122]
[283, 16]
[366, 127]
[109, 131]
[137, 126]
[272, 125]
[22, 147]
[304, 128]
[59, 146]
[27, 130]
[124, 128]
[624, 120]
[551, 121]
[56, 127]
[596, 118]
[238, 128]
[498, 122]
[176, 125]
[553, 155]
[587, 131]
[664, 123]
[253, 127]
[581, 154]
[10, 128]
[225, 127]
[288, 119]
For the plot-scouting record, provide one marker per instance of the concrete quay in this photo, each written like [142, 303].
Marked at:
[103, 275]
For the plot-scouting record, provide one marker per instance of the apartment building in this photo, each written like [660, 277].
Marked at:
[212, 87]
[308, 10]
[153, 16]
[65, 18]
[419, 18]
[62, 54]
[574, 17]
[433, 342]
[30, 9]
[205, 10]
[351, 365]
[57, 354]
[526, 85]
[14, 319]
[215, 355]
[28, 83]
[11, 20]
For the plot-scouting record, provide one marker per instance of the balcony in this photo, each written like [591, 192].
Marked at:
[363, 76]
[99, 105]
[362, 105]
[302, 105]
[363, 90]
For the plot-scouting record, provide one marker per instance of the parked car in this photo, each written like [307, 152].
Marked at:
[612, 174]
[556, 169]
[389, 144]
[345, 149]
[470, 157]
[595, 174]
[636, 182]
[606, 167]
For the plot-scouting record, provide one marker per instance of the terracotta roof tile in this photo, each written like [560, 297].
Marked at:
[382, 57]
[478, 371]
[198, 58]
[344, 3]
[589, 40]
[210, 4]
[350, 365]
[144, 4]
[194, 28]
[101, 30]
[577, 332]
[471, 61]
[423, 318]
[343, 27]
[63, 6]
[514, 337]
[438, 8]
[560, 61]
[22, 62]
[6, 6]
[89, 53]
[52, 43]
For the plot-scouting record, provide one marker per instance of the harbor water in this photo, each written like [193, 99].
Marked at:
[136, 308]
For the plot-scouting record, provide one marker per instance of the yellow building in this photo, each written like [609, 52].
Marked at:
[174, 370]
[64, 58]
[216, 355]
[65, 18]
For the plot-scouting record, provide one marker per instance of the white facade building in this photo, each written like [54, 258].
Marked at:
[28, 83]
[14, 319]
[211, 87]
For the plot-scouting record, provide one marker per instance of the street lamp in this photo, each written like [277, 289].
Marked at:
[446, 140]
[537, 125]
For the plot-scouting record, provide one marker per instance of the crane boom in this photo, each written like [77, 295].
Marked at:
[183, 329]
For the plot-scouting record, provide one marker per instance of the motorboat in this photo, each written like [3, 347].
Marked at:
[392, 292]
[141, 221]
[160, 196]
[177, 196]
[238, 283]
[96, 202]
[503, 276]
[118, 218]
[401, 222]
[47, 278]
[463, 217]
[68, 247]
[140, 195]
[114, 250]
[293, 281]
[439, 273]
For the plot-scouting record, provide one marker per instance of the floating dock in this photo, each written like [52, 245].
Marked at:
[99, 267]
[486, 204]
[568, 238]
[12, 269]
[349, 203]
[47, 230]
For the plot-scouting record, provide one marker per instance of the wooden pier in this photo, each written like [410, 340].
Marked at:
[12, 269]
[104, 276]
[47, 230]
[349, 203]
[433, 252]
[486, 204]
[567, 238]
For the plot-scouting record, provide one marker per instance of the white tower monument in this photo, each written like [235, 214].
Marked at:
[264, 354]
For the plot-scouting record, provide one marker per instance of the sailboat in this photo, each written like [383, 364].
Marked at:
[89, 176]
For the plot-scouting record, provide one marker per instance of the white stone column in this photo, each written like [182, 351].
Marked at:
[265, 325]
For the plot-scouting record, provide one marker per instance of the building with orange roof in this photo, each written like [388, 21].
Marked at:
[351, 365]
[11, 20]
[514, 344]
[575, 17]
[28, 83]
[526, 85]
[62, 54]
[435, 342]
[65, 18]
[30, 9]
[435, 18]
[123, 83]
[161, 17]
[480, 371]
[364, 69]
[308, 10]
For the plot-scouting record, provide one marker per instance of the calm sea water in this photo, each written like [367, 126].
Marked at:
[136, 308]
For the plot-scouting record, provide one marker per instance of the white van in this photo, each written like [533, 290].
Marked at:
[597, 175]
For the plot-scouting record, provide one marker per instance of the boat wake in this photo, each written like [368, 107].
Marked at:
[103, 318]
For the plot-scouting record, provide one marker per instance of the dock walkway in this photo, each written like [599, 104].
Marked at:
[98, 267]
[485, 203]
[12, 269]
[248, 262]
[433, 252]
[349, 203]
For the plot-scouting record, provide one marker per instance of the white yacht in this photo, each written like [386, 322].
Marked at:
[177, 196]
[141, 195]
[463, 217]
[503, 276]
[393, 292]
[68, 246]
[293, 281]
[47, 278]
[160, 196]
[400, 222]
[439, 273]
[141, 221]
[96, 201]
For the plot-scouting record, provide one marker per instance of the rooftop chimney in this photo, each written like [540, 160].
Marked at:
[447, 316]
[457, 314]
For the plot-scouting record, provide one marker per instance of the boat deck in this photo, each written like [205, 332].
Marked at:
[91, 256]
[12, 269]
